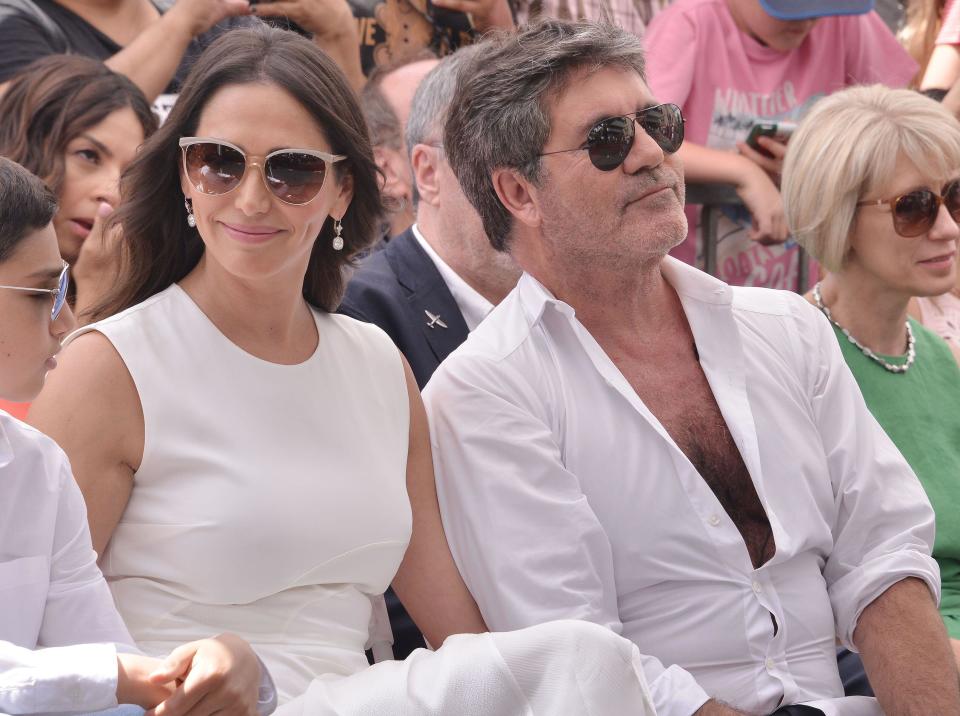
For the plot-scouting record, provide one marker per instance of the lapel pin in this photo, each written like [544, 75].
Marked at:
[434, 320]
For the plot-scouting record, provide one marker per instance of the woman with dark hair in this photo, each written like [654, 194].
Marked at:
[253, 462]
[77, 125]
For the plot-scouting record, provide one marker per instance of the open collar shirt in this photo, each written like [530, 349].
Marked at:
[472, 305]
[564, 497]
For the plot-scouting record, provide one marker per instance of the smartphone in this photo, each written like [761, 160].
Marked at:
[780, 131]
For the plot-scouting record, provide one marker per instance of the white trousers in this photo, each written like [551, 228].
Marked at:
[555, 669]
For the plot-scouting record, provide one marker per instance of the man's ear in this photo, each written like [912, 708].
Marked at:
[517, 195]
[397, 182]
[423, 159]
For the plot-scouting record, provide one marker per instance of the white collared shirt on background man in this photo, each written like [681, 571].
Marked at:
[564, 497]
[51, 592]
[472, 305]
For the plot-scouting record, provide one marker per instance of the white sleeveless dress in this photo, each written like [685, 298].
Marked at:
[271, 499]
[271, 502]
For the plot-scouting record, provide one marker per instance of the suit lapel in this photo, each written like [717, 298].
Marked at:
[419, 276]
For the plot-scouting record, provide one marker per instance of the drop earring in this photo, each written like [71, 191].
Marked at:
[191, 219]
[338, 239]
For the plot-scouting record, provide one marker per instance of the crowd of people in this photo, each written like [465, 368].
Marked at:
[355, 358]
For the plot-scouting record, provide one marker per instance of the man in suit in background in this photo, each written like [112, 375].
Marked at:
[436, 281]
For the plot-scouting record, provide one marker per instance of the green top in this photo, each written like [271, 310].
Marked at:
[920, 411]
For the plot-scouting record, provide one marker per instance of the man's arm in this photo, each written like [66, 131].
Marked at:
[882, 581]
[907, 654]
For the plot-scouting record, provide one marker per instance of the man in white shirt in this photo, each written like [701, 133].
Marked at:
[629, 441]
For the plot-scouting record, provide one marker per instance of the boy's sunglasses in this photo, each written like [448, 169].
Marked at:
[59, 293]
[916, 212]
[610, 140]
[294, 176]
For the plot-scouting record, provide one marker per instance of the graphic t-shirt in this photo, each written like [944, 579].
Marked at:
[725, 81]
[392, 31]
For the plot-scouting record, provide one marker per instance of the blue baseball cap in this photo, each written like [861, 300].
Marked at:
[806, 9]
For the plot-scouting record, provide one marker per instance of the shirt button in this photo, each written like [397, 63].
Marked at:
[714, 520]
[757, 588]
[769, 663]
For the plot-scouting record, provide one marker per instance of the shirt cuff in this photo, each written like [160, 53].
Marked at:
[676, 693]
[857, 590]
[81, 677]
[267, 692]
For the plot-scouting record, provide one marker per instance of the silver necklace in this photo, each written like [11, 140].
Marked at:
[911, 343]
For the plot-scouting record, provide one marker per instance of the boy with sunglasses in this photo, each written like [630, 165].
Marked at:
[734, 64]
[63, 646]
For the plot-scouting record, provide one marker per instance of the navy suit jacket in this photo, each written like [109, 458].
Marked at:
[393, 288]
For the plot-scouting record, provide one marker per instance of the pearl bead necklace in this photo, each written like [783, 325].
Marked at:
[893, 368]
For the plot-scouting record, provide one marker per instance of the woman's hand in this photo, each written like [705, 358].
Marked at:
[325, 19]
[198, 16]
[763, 200]
[486, 14]
[134, 683]
[333, 27]
[98, 263]
[218, 675]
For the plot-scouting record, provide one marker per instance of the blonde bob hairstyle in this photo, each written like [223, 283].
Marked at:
[847, 148]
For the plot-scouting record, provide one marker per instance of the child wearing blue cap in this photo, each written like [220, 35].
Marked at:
[734, 64]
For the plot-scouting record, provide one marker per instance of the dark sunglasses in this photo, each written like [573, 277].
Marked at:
[294, 176]
[610, 140]
[916, 212]
[59, 293]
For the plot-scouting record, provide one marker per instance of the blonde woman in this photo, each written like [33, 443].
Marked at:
[871, 186]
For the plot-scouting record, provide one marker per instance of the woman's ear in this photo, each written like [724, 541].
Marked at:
[344, 196]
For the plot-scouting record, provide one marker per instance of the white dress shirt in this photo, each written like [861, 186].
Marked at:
[564, 497]
[472, 305]
[54, 604]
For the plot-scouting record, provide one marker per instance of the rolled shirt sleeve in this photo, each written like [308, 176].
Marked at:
[884, 529]
[82, 677]
[523, 534]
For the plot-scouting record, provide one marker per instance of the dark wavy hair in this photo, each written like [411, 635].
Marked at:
[56, 99]
[161, 249]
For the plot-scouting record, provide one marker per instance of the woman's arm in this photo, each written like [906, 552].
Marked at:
[90, 406]
[428, 582]
[151, 60]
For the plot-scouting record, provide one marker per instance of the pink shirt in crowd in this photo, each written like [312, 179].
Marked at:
[725, 81]
[950, 28]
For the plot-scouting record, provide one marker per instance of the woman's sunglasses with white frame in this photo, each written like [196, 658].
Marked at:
[294, 176]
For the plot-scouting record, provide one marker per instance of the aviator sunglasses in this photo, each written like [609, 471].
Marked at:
[294, 176]
[610, 140]
[59, 293]
[916, 212]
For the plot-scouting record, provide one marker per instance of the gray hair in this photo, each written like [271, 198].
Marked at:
[499, 117]
[847, 147]
[431, 102]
